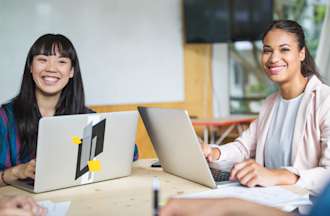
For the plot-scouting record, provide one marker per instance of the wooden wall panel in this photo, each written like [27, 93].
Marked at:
[198, 94]
[198, 82]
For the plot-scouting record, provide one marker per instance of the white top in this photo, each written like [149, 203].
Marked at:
[280, 134]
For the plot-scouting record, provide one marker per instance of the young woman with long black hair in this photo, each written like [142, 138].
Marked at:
[51, 85]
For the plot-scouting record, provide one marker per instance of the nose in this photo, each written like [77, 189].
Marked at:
[51, 66]
[275, 57]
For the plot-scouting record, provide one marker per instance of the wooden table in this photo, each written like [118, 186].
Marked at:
[124, 196]
[230, 123]
[130, 195]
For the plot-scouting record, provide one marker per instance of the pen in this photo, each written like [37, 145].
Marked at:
[155, 191]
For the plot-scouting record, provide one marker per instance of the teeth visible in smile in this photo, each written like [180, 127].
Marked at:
[276, 68]
[271, 67]
[50, 80]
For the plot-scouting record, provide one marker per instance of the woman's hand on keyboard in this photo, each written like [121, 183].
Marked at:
[21, 171]
[211, 154]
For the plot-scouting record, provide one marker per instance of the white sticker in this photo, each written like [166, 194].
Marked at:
[88, 177]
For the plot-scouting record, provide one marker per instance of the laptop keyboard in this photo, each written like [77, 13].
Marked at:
[28, 181]
[219, 175]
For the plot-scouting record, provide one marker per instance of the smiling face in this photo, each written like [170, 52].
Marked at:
[51, 73]
[281, 56]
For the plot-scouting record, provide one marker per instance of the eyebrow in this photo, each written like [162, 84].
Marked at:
[281, 45]
[60, 56]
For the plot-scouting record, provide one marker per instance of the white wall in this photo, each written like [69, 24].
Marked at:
[129, 51]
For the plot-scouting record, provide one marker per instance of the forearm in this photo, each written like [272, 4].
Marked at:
[284, 177]
[313, 179]
[233, 207]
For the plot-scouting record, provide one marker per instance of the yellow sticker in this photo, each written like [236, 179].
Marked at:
[94, 165]
[76, 140]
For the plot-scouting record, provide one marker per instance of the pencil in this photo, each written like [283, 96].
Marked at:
[155, 191]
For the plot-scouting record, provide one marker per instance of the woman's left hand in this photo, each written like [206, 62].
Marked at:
[26, 170]
[250, 173]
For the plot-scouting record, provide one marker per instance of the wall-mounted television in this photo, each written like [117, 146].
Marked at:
[214, 21]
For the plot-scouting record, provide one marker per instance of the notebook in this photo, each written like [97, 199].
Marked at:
[274, 196]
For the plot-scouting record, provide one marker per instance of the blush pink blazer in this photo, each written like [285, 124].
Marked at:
[310, 148]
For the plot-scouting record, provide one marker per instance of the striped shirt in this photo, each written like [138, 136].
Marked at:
[10, 144]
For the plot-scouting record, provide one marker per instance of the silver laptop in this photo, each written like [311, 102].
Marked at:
[177, 145]
[80, 149]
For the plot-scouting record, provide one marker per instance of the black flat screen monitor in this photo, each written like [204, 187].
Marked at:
[250, 18]
[213, 21]
[206, 21]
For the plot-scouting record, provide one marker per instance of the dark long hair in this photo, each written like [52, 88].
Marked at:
[308, 66]
[25, 107]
